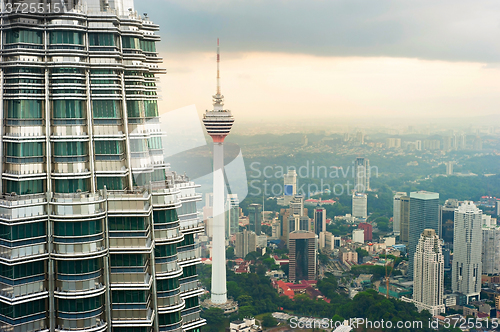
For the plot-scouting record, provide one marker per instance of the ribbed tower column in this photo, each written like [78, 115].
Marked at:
[218, 123]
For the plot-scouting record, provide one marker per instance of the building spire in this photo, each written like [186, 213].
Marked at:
[218, 98]
[218, 67]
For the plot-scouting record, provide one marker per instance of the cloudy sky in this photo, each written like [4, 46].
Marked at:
[332, 59]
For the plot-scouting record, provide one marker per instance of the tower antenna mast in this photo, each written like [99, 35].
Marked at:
[218, 67]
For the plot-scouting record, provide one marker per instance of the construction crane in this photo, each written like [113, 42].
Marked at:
[387, 273]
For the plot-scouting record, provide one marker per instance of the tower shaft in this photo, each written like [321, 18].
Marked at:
[219, 291]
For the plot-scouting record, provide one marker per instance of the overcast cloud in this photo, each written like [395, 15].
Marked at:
[458, 30]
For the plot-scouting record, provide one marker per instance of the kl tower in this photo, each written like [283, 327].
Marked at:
[218, 123]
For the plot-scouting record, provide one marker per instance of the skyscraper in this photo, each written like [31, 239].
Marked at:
[424, 214]
[360, 205]
[396, 219]
[467, 248]
[255, 218]
[319, 220]
[218, 123]
[428, 277]
[362, 175]
[232, 215]
[246, 242]
[490, 256]
[289, 187]
[302, 251]
[91, 236]
[447, 220]
[404, 234]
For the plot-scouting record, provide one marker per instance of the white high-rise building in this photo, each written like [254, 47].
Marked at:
[358, 236]
[428, 274]
[362, 175]
[360, 205]
[449, 168]
[491, 246]
[232, 215]
[467, 248]
[396, 219]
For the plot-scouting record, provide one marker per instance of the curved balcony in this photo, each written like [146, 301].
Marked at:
[122, 277]
[25, 128]
[20, 207]
[23, 252]
[71, 247]
[130, 240]
[17, 167]
[90, 320]
[32, 323]
[147, 321]
[13, 288]
[100, 327]
[73, 130]
[61, 169]
[167, 268]
[169, 304]
[79, 284]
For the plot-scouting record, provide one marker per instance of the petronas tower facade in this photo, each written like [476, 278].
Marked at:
[96, 233]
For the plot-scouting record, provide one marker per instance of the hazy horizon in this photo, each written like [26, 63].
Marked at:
[345, 62]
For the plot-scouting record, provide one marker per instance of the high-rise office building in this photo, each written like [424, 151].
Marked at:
[447, 217]
[255, 218]
[449, 168]
[362, 175]
[404, 233]
[360, 205]
[497, 207]
[289, 187]
[319, 220]
[428, 277]
[360, 138]
[396, 219]
[218, 123]
[302, 252]
[297, 222]
[424, 214]
[467, 248]
[368, 228]
[232, 215]
[393, 143]
[294, 218]
[246, 242]
[90, 214]
[490, 256]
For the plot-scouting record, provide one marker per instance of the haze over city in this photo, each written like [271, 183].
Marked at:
[333, 61]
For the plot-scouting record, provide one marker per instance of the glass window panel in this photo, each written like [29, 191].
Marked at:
[24, 187]
[101, 39]
[69, 109]
[24, 109]
[106, 109]
[63, 149]
[23, 36]
[66, 37]
[71, 186]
